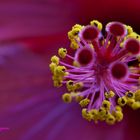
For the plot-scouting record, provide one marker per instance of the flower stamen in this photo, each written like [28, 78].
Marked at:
[102, 73]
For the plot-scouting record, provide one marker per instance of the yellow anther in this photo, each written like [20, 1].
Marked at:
[70, 85]
[60, 71]
[129, 29]
[78, 85]
[110, 119]
[84, 112]
[70, 82]
[76, 64]
[133, 35]
[106, 95]
[74, 44]
[67, 98]
[97, 24]
[112, 94]
[122, 101]
[94, 113]
[84, 102]
[118, 115]
[55, 59]
[118, 108]
[86, 115]
[130, 101]
[137, 95]
[78, 26]
[130, 95]
[79, 98]
[62, 52]
[136, 105]
[109, 95]
[75, 31]
[52, 67]
[57, 78]
[73, 34]
[102, 113]
[106, 104]
[57, 83]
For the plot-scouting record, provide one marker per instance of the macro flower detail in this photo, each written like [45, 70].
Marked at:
[102, 71]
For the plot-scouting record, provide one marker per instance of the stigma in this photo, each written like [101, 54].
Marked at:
[102, 73]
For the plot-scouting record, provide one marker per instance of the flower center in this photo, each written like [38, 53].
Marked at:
[98, 74]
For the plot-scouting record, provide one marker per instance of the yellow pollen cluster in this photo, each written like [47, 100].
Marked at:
[103, 114]
[58, 71]
[71, 86]
[130, 34]
[62, 52]
[67, 98]
[109, 95]
[84, 102]
[97, 24]
[131, 99]
[73, 35]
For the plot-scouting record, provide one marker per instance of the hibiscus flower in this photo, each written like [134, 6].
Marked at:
[31, 32]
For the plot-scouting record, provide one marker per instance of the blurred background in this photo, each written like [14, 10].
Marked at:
[31, 31]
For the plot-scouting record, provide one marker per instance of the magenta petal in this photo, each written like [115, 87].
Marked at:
[28, 100]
